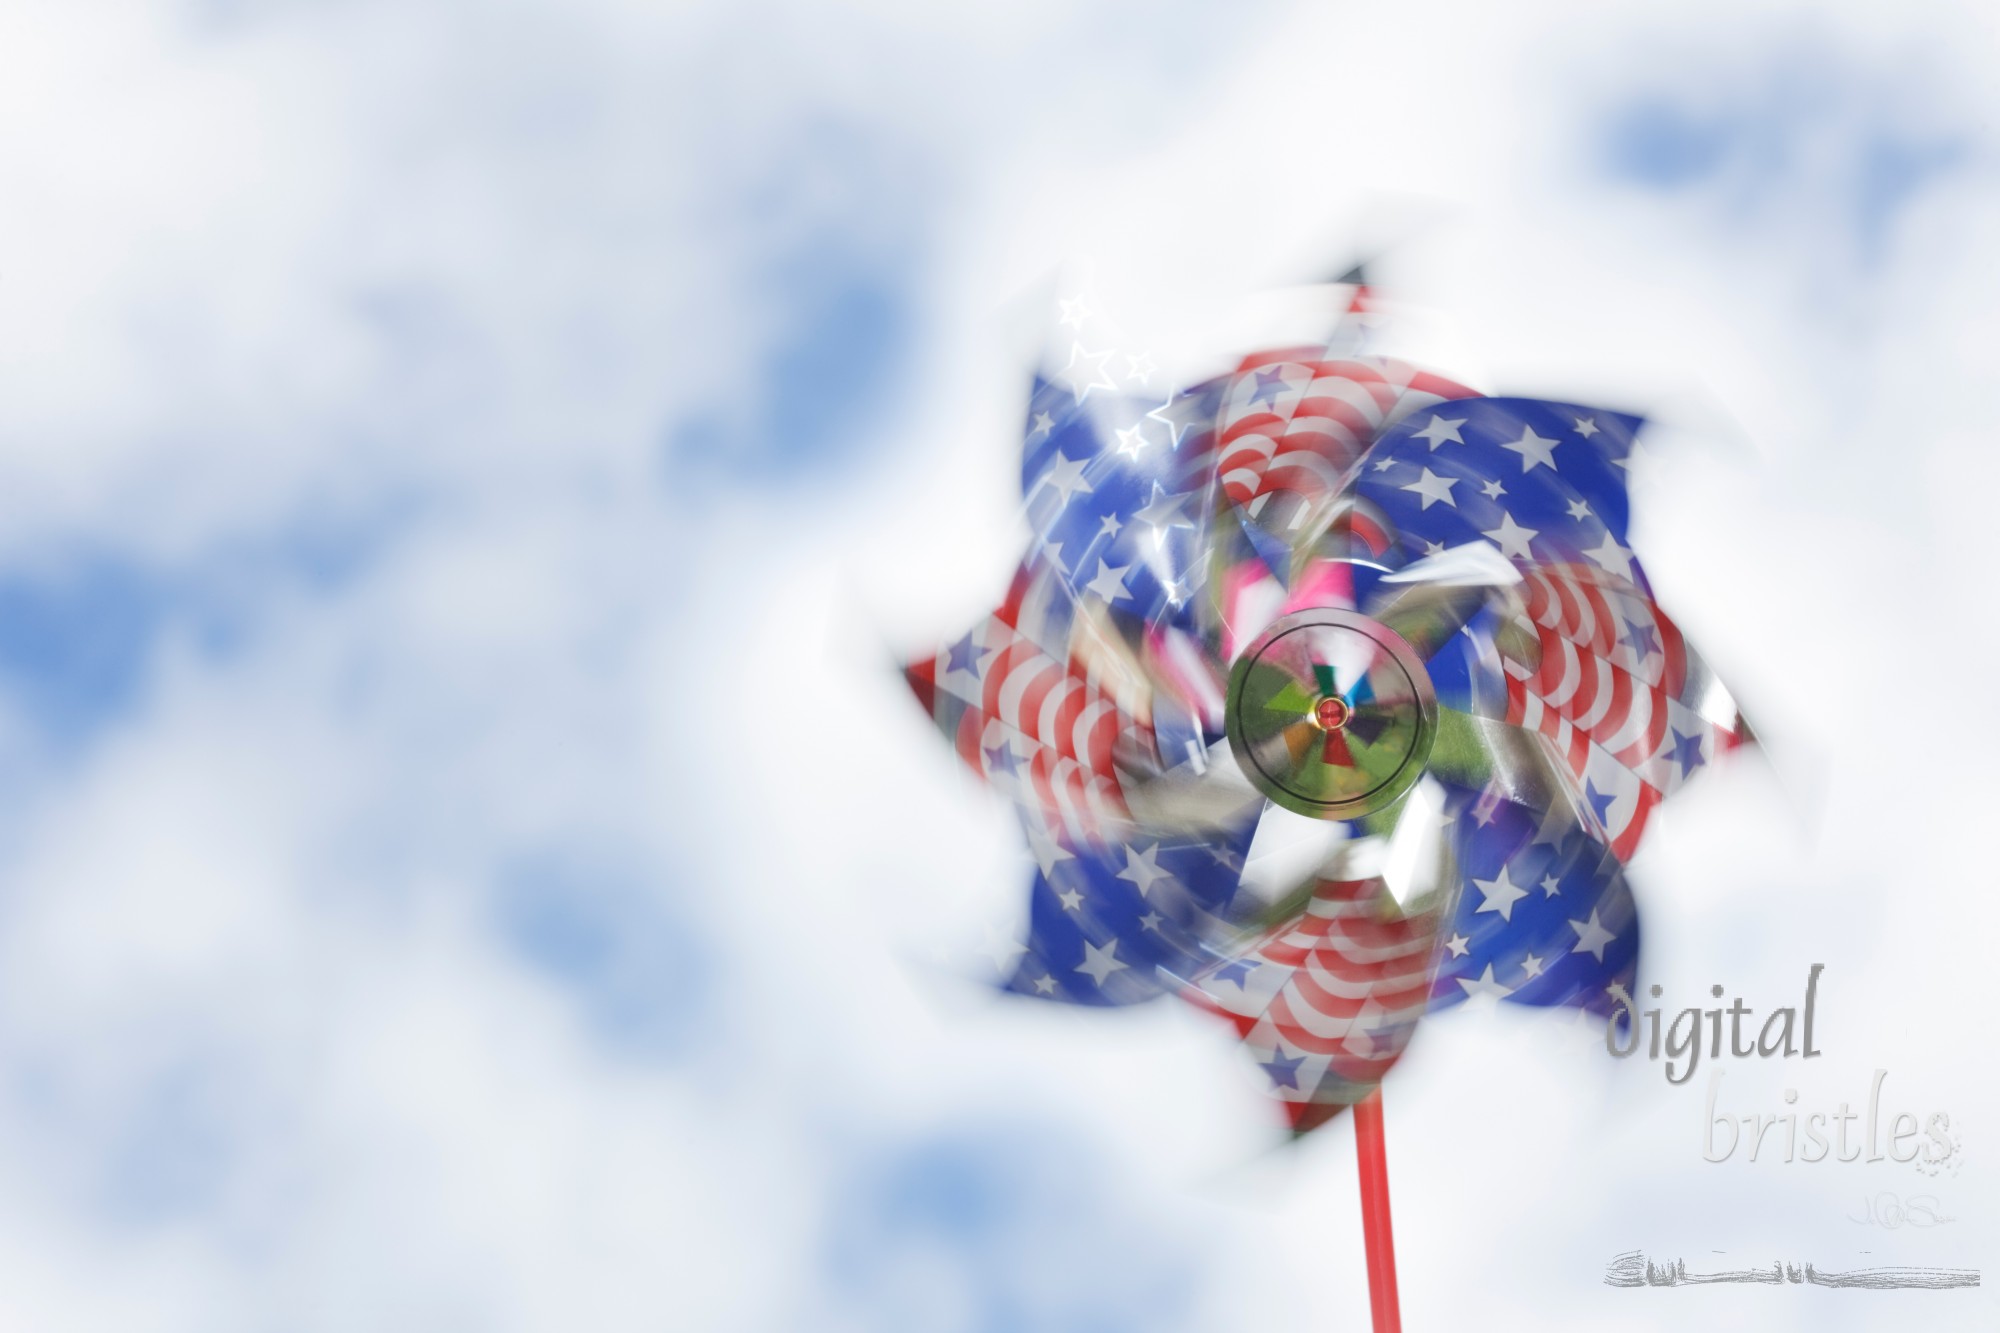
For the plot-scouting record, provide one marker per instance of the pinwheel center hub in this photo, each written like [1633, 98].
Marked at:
[1331, 714]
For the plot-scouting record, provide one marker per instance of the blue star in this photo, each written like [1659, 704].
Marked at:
[1600, 802]
[1687, 751]
[964, 656]
[1002, 759]
[1641, 639]
[1284, 1073]
[1238, 972]
[1270, 383]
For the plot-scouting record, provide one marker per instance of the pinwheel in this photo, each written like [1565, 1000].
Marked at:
[1334, 585]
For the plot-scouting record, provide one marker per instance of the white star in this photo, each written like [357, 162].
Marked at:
[1434, 488]
[1532, 965]
[1108, 525]
[1458, 945]
[1632, 456]
[1100, 377]
[1074, 311]
[1534, 449]
[1099, 963]
[1611, 557]
[1501, 894]
[1071, 900]
[1132, 441]
[1433, 548]
[1484, 985]
[1578, 509]
[1140, 368]
[1044, 423]
[1151, 921]
[1175, 429]
[1052, 552]
[1586, 426]
[1045, 985]
[1511, 537]
[1047, 851]
[1384, 464]
[1164, 511]
[1143, 868]
[1110, 582]
[1439, 431]
[1001, 947]
[1591, 937]
[1494, 490]
[1550, 886]
[1065, 478]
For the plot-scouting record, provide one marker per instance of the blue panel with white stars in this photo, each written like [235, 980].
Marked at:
[1119, 493]
[1104, 920]
[1545, 916]
[1544, 482]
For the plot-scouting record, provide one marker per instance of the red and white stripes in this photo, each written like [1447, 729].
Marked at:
[1292, 421]
[1330, 998]
[1040, 724]
[1611, 683]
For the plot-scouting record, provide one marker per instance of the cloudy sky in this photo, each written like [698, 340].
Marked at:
[466, 863]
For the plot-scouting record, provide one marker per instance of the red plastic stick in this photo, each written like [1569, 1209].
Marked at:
[1375, 1229]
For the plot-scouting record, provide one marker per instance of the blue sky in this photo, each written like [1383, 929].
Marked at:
[1798, 127]
[450, 462]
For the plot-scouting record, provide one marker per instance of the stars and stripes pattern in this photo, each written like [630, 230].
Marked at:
[1544, 917]
[1542, 481]
[1327, 1001]
[1110, 924]
[1118, 492]
[1608, 678]
[1166, 532]
[1591, 662]
[1030, 723]
[1297, 421]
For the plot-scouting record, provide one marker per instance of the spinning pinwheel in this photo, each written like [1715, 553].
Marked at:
[1335, 584]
